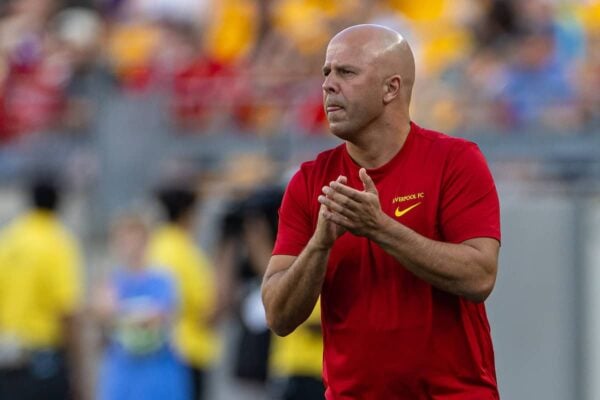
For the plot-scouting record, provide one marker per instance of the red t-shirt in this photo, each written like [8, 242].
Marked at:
[387, 333]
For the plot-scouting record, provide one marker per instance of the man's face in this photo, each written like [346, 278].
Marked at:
[352, 89]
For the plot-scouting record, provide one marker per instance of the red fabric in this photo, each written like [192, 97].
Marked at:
[137, 79]
[387, 333]
[198, 87]
[33, 99]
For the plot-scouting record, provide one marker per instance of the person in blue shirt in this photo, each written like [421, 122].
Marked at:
[538, 87]
[136, 308]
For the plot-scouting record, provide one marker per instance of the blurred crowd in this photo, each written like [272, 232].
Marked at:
[254, 66]
[158, 314]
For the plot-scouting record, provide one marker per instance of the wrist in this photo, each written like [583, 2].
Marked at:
[318, 245]
[382, 229]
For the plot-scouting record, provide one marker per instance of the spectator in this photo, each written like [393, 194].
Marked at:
[40, 268]
[538, 87]
[136, 307]
[247, 232]
[22, 45]
[172, 247]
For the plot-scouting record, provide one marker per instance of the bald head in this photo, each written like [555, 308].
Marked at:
[383, 46]
[369, 72]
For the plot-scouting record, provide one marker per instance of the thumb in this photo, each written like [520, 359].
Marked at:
[368, 183]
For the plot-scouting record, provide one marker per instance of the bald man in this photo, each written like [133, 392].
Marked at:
[397, 229]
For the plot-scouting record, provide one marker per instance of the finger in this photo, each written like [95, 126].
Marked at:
[368, 183]
[334, 206]
[339, 219]
[347, 191]
[323, 210]
[342, 179]
[339, 198]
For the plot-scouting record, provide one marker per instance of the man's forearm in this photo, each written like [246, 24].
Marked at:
[456, 268]
[290, 295]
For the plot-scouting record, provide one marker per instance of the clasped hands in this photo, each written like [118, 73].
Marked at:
[358, 212]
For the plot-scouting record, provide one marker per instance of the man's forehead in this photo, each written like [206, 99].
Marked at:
[343, 52]
[363, 43]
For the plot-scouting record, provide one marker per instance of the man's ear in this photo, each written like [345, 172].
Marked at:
[392, 88]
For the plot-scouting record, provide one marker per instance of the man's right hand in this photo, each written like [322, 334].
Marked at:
[327, 231]
[292, 284]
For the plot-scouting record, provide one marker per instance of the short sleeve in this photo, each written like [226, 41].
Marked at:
[469, 204]
[295, 226]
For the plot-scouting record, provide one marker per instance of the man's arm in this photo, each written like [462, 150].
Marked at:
[465, 269]
[292, 285]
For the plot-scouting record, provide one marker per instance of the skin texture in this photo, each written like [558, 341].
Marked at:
[368, 73]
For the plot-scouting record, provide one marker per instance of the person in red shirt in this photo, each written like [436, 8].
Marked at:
[398, 230]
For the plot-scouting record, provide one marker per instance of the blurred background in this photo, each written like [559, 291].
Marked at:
[122, 98]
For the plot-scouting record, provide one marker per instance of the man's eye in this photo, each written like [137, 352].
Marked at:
[345, 72]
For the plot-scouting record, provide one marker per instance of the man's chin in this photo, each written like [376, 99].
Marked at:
[340, 130]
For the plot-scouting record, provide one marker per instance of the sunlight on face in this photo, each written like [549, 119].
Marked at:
[351, 88]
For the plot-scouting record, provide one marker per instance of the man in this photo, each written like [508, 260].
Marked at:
[40, 296]
[172, 247]
[397, 229]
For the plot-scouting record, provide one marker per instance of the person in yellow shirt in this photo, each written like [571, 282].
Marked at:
[40, 295]
[172, 247]
[296, 363]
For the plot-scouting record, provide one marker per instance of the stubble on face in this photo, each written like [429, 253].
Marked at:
[360, 59]
[352, 90]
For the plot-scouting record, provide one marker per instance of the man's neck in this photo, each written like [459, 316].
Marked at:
[376, 147]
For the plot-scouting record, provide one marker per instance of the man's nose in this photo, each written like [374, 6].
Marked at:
[329, 85]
